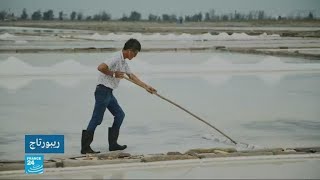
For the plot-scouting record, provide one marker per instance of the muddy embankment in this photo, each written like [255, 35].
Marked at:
[120, 157]
[283, 28]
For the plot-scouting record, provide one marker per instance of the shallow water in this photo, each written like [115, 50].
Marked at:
[260, 100]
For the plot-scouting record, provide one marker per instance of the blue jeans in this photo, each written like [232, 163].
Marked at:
[105, 99]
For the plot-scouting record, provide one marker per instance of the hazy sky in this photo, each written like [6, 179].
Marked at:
[179, 7]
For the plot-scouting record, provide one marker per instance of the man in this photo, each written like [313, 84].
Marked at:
[109, 77]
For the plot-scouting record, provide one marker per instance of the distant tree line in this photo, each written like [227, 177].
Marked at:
[210, 16]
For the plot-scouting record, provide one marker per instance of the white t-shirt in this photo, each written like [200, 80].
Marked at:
[115, 63]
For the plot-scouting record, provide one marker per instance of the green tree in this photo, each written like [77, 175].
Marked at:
[194, 18]
[79, 16]
[207, 17]
[124, 18]
[225, 17]
[165, 17]
[169, 18]
[89, 18]
[310, 16]
[173, 18]
[73, 15]
[135, 16]
[250, 16]
[3, 15]
[152, 17]
[210, 16]
[36, 15]
[105, 16]
[61, 15]
[237, 16]
[48, 15]
[180, 19]
[261, 15]
[24, 14]
[97, 17]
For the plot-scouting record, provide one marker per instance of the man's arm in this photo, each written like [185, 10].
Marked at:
[105, 70]
[149, 88]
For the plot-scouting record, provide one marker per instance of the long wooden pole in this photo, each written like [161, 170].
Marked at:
[185, 111]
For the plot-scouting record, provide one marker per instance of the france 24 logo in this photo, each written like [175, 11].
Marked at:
[33, 164]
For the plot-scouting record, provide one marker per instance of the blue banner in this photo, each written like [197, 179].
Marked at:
[44, 143]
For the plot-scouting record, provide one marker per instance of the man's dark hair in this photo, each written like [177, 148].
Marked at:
[132, 44]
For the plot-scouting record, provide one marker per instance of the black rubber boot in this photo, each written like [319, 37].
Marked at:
[113, 138]
[86, 140]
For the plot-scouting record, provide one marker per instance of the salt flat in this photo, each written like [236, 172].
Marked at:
[268, 101]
